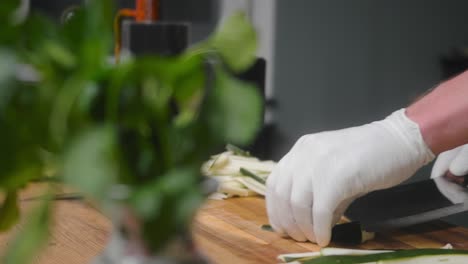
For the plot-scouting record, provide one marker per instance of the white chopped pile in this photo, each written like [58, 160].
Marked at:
[237, 173]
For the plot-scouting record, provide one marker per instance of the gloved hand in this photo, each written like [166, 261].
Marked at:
[454, 161]
[315, 182]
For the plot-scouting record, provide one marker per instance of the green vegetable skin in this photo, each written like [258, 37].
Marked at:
[426, 256]
[267, 228]
[252, 175]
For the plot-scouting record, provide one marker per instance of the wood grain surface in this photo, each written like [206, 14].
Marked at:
[79, 232]
[225, 231]
[229, 232]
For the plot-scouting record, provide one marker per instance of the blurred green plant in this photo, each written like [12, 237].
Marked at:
[148, 122]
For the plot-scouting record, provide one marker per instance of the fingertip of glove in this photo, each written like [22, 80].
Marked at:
[322, 226]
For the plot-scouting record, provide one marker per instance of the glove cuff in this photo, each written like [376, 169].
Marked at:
[410, 132]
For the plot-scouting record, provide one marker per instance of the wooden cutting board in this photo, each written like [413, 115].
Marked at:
[229, 232]
[226, 231]
[79, 232]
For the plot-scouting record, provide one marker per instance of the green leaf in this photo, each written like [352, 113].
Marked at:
[148, 198]
[7, 70]
[9, 212]
[189, 80]
[21, 170]
[236, 41]
[235, 109]
[20, 158]
[7, 7]
[59, 54]
[32, 238]
[90, 162]
[166, 205]
[89, 35]
[190, 201]
[62, 106]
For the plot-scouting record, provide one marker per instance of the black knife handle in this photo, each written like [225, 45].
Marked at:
[350, 233]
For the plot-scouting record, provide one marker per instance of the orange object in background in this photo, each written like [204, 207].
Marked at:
[145, 11]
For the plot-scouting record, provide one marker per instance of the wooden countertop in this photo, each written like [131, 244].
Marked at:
[79, 232]
[229, 232]
[225, 231]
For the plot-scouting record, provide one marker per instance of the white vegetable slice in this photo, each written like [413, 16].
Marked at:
[230, 165]
[217, 196]
[225, 178]
[221, 161]
[252, 185]
[327, 252]
[414, 256]
[251, 164]
[447, 246]
[235, 191]
[225, 168]
[287, 258]
[346, 251]
[232, 184]
[417, 256]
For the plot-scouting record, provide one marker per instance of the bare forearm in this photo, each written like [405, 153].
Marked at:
[442, 115]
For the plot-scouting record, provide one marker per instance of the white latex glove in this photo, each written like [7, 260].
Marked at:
[454, 161]
[315, 182]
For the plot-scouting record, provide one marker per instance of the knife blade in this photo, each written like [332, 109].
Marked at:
[409, 204]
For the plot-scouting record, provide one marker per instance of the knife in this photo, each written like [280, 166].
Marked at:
[402, 206]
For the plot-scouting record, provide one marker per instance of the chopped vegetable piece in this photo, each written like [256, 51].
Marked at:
[267, 228]
[238, 175]
[220, 161]
[248, 173]
[305, 257]
[330, 251]
[252, 185]
[218, 196]
[237, 151]
[287, 258]
[302, 257]
[236, 191]
[426, 256]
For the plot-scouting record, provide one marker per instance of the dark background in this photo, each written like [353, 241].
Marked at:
[202, 14]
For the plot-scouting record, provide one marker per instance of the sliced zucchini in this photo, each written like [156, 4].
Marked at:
[287, 258]
[330, 251]
[252, 175]
[217, 196]
[235, 189]
[416, 256]
[303, 257]
[267, 228]
[220, 161]
[253, 185]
